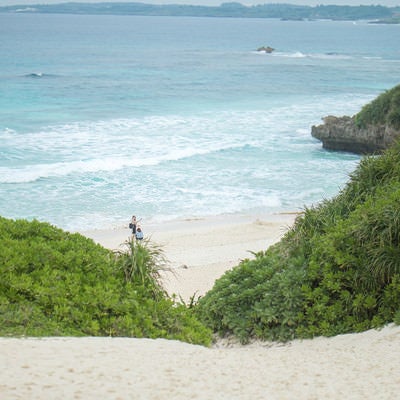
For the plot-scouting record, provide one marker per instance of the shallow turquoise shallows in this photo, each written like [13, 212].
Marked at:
[102, 117]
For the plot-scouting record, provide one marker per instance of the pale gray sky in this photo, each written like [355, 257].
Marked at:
[389, 3]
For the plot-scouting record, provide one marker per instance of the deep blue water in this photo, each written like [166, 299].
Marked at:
[102, 117]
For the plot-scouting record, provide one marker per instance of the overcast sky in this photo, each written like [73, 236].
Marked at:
[389, 3]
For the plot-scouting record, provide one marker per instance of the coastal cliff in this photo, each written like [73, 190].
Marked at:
[343, 134]
[375, 128]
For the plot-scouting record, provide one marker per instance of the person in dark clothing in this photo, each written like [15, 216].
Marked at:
[133, 224]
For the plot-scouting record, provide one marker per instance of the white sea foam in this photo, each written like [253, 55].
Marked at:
[331, 56]
[106, 146]
[321, 56]
[31, 173]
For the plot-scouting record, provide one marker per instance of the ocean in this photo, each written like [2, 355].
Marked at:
[103, 117]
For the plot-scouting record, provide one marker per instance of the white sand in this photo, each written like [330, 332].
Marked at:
[358, 366]
[201, 250]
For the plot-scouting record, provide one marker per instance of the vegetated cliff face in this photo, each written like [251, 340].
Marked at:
[342, 134]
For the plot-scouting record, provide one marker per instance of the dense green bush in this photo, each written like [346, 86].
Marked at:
[385, 109]
[55, 283]
[336, 271]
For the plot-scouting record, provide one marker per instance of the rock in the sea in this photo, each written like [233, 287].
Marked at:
[342, 134]
[266, 49]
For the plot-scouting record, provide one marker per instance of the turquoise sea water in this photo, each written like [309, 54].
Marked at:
[102, 117]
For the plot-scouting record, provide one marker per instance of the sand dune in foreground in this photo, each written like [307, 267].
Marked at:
[356, 366]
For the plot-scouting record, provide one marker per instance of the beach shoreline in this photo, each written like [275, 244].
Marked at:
[200, 250]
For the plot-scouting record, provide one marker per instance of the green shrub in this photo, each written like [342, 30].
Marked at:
[55, 283]
[385, 109]
[397, 317]
[336, 271]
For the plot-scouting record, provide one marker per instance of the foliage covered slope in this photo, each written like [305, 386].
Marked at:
[384, 110]
[336, 271]
[55, 283]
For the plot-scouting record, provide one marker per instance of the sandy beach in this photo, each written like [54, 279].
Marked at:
[358, 366]
[200, 250]
[355, 366]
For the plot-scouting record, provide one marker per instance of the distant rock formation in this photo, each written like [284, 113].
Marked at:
[342, 134]
[266, 49]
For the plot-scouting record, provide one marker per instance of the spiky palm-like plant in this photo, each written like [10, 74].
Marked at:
[142, 263]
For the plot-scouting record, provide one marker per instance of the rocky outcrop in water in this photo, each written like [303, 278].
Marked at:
[266, 49]
[342, 134]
